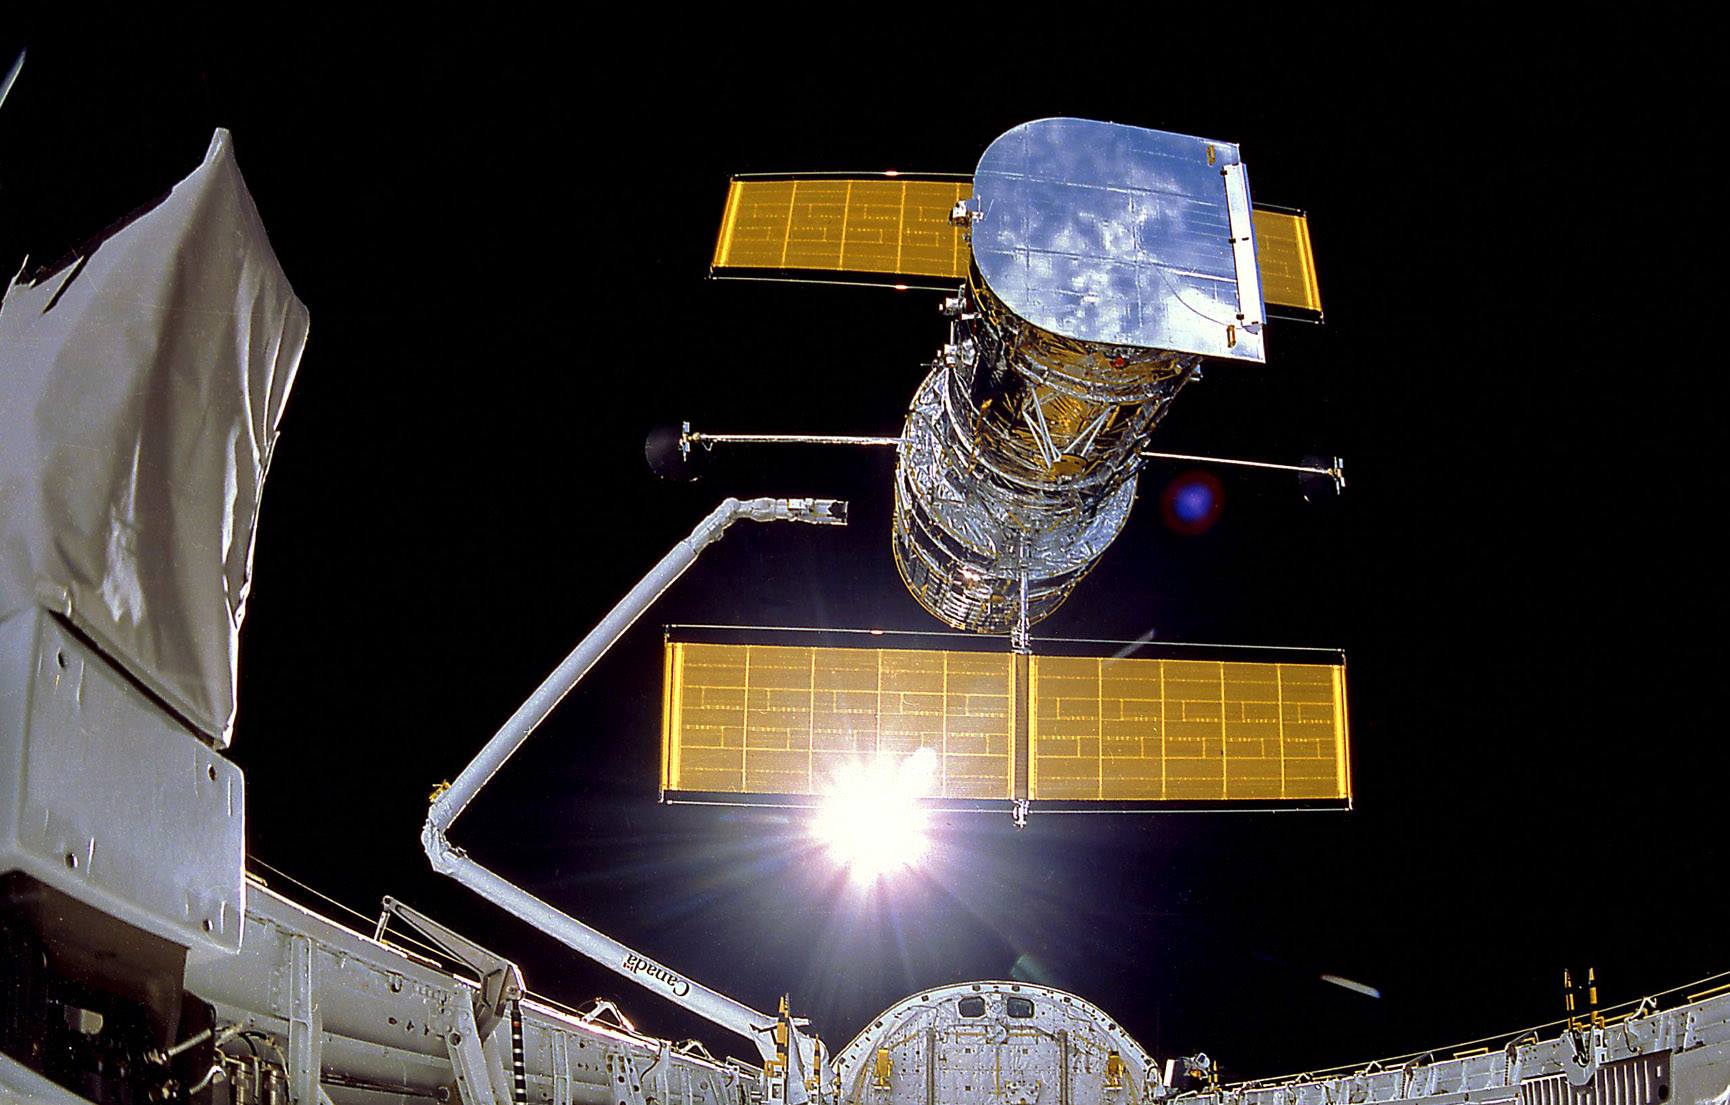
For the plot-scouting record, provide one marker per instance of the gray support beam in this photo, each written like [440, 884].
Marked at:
[305, 1026]
[559, 1044]
[468, 1060]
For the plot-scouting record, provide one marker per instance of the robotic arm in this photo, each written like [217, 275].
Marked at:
[794, 1062]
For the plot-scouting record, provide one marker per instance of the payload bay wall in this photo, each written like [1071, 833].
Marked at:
[1678, 1056]
[361, 1023]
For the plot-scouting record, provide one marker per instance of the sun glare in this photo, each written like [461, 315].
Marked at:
[871, 820]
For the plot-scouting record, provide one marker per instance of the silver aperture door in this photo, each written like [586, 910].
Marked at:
[1121, 236]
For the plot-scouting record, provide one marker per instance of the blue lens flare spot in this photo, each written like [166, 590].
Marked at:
[1192, 502]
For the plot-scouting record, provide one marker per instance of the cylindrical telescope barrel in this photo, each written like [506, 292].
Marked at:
[1018, 461]
[1106, 262]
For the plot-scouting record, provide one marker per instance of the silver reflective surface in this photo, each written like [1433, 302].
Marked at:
[1118, 235]
[1017, 464]
[965, 536]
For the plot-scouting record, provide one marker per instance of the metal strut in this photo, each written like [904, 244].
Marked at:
[501, 980]
[710, 440]
[803, 1061]
[1335, 472]
[1042, 440]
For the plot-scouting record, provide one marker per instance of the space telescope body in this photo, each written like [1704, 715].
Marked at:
[139, 962]
[1097, 266]
[1103, 270]
[1092, 269]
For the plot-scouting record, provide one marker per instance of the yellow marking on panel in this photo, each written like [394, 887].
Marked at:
[846, 214]
[671, 684]
[1342, 739]
[1032, 699]
[729, 214]
[883, 225]
[1285, 260]
[1132, 730]
[900, 220]
[1020, 765]
[776, 719]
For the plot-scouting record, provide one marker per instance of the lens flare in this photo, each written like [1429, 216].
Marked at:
[1192, 503]
[871, 821]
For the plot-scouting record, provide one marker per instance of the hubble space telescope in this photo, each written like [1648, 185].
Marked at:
[1090, 271]
[1094, 268]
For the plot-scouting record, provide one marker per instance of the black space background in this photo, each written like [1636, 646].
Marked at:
[502, 234]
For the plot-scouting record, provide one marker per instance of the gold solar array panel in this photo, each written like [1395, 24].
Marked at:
[884, 225]
[1137, 730]
[1285, 261]
[783, 721]
[778, 719]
